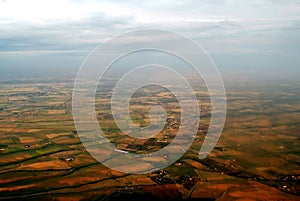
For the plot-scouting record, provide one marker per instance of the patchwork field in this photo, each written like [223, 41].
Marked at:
[256, 158]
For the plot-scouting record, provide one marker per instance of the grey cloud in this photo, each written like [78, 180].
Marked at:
[256, 30]
[60, 35]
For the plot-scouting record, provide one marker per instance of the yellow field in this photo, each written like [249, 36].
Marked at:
[46, 165]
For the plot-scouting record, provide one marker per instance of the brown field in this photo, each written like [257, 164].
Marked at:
[28, 140]
[56, 111]
[54, 135]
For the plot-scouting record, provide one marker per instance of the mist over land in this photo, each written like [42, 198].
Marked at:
[255, 46]
[247, 40]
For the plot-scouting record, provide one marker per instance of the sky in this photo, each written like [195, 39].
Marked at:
[245, 38]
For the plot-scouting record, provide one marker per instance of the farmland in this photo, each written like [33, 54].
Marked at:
[42, 157]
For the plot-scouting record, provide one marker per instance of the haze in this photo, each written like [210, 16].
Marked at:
[247, 39]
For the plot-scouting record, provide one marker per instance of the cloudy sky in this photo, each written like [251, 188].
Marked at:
[243, 37]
